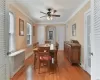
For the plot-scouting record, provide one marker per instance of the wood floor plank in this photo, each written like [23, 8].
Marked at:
[65, 71]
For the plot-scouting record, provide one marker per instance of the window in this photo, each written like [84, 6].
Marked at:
[11, 33]
[29, 34]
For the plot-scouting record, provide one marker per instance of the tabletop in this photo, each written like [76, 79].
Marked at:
[52, 47]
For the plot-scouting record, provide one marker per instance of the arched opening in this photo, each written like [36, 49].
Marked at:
[51, 33]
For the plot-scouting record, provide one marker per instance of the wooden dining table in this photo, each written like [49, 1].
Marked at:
[52, 52]
[52, 47]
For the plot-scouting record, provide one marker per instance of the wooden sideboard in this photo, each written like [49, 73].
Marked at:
[72, 51]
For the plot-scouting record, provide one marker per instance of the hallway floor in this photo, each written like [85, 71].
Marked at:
[65, 71]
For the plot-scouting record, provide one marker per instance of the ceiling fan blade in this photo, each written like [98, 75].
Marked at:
[56, 15]
[42, 12]
[43, 16]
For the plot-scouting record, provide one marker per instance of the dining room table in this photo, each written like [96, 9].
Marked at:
[52, 52]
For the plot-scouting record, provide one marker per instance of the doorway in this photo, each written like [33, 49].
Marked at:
[51, 34]
[87, 41]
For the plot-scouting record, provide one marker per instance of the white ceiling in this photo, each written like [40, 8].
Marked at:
[33, 7]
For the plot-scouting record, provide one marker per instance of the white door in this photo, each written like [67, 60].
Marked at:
[87, 41]
[95, 73]
[60, 32]
[3, 41]
[41, 34]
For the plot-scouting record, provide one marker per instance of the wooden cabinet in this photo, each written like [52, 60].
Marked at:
[72, 51]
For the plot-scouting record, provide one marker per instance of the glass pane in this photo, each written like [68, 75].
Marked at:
[28, 39]
[11, 33]
[11, 26]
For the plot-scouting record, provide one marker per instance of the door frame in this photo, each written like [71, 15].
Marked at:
[53, 28]
[6, 30]
[85, 41]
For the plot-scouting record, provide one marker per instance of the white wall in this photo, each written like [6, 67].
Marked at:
[41, 34]
[60, 34]
[66, 34]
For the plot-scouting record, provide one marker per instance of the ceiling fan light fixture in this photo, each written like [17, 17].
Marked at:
[50, 14]
[49, 18]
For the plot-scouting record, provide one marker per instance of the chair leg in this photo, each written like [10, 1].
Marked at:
[34, 61]
[39, 66]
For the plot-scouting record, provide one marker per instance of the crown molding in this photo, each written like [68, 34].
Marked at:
[73, 14]
[77, 10]
[51, 23]
[16, 6]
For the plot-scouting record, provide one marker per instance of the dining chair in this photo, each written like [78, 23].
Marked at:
[35, 46]
[47, 42]
[44, 57]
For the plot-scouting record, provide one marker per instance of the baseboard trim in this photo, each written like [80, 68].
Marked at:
[82, 66]
[29, 54]
[87, 73]
[18, 72]
[14, 73]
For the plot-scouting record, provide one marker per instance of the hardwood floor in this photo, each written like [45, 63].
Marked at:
[65, 71]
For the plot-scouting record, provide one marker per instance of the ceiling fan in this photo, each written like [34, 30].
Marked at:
[50, 14]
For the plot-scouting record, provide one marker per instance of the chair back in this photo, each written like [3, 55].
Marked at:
[47, 42]
[42, 51]
[35, 44]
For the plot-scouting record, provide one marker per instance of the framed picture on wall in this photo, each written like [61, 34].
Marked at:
[74, 30]
[50, 35]
[21, 27]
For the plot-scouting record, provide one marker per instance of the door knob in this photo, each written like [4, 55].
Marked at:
[8, 53]
[91, 54]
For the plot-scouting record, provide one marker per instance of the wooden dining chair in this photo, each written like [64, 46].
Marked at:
[47, 42]
[35, 46]
[44, 57]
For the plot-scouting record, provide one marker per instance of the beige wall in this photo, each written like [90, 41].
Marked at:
[21, 40]
[35, 33]
[79, 20]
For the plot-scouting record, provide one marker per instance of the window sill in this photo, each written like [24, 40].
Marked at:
[16, 52]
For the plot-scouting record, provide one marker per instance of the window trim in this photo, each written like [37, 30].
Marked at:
[14, 16]
[29, 34]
